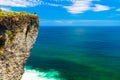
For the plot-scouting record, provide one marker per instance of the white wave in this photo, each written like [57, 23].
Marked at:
[35, 74]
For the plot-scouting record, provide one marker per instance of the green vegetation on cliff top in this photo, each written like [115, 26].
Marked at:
[10, 13]
[12, 23]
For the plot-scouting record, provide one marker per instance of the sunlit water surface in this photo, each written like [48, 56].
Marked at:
[75, 53]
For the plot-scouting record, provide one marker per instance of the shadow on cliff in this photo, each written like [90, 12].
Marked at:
[2, 35]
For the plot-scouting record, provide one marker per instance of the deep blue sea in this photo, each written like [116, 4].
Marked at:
[75, 53]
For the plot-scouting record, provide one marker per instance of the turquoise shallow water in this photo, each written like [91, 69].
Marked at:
[76, 53]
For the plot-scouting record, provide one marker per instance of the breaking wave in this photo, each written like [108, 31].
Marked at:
[36, 74]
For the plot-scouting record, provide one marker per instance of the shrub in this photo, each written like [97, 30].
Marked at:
[9, 33]
[0, 10]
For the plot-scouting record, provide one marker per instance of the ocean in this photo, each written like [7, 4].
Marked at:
[75, 53]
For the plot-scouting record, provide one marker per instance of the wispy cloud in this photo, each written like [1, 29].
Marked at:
[25, 3]
[20, 3]
[6, 9]
[80, 22]
[76, 6]
[79, 6]
[65, 22]
[99, 7]
[118, 9]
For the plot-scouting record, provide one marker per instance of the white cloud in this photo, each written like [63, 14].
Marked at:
[118, 9]
[19, 3]
[26, 3]
[58, 21]
[78, 6]
[99, 7]
[50, 4]
[80, 22]
[6, 9]
[65, 22]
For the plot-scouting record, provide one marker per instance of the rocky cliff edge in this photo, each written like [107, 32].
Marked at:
[18, 32]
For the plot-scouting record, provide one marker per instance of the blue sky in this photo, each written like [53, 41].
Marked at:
[69, 12]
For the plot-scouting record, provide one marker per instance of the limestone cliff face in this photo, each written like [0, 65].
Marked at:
[17, 36]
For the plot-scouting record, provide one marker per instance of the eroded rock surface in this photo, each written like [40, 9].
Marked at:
[17, 36]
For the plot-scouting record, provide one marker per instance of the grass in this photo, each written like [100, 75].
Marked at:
[9, 33]
[14, 13]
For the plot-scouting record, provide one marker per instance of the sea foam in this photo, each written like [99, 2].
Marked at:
[35, 74]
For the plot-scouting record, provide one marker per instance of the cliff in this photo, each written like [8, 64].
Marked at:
[18, 32]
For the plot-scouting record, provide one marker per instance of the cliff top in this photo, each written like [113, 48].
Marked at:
[10, 18]
[12, 23]
[14, 13]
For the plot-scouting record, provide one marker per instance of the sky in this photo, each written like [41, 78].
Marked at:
[69, 12]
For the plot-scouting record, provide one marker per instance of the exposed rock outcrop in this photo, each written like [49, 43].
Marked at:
[17, 36]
